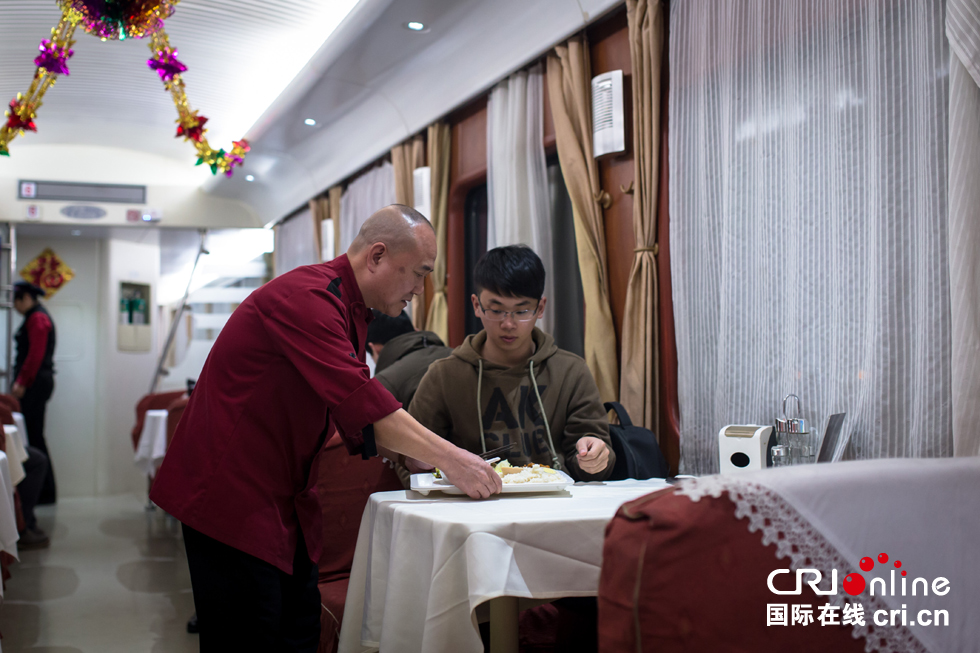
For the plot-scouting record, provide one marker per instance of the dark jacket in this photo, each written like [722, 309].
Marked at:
[35, 347]
[404, 361]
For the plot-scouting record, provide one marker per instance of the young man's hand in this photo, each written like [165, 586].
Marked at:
[593, 454]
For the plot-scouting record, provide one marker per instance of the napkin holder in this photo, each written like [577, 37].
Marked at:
[743, 447]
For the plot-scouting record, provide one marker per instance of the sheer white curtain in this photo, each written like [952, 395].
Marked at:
[371, 191]
[518, 200]
[808, 217]
[296, 244]
[963, 30]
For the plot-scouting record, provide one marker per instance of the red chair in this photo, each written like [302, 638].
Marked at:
[10, 402]
[174, 412]
[344, 485]
[686, 576]
[158, 401]
[6, 415]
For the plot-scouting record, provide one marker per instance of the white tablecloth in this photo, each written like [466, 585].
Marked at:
[8, 517]
[423, 564]
[21, 427]
[152, 446]
[921, 512]
[16, 454]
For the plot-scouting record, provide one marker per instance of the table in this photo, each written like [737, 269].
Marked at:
[423, 564]
[21, 427]
[8, 516]
[16, 454]
[152, 446]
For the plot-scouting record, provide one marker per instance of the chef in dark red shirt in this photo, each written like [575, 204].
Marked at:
[241, 471]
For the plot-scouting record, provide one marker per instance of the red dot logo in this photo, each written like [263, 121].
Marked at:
[867, 564]
[882, 558]
[854, 583]
[898, 563]
[904, 572]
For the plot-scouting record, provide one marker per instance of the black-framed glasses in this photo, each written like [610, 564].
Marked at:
[494, 315]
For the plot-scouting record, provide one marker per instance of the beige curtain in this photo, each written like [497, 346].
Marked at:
[405, 158]
[333, 199]
[640, 379]
[319, 211]
[569, 87]
[440, 137]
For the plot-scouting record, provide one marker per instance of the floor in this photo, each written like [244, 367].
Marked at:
[115, 579]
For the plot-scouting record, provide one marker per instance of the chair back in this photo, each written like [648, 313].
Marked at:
[174, 412]
[344, 486]
[10, 402]
[158, 401]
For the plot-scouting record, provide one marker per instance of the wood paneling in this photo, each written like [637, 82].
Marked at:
[468, 169]
[610, 50]
[669, 427]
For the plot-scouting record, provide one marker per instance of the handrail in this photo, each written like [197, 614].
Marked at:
[180, 312]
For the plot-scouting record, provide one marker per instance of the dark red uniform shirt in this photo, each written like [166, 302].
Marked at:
[242, 467]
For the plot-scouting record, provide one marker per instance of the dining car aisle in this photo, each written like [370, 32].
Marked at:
[115, 579]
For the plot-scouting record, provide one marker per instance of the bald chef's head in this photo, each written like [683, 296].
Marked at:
[391, 256]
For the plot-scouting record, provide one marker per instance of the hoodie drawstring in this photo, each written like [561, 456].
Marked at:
[544, 418]
[537, 393]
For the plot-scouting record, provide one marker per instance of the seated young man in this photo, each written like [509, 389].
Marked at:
[401, 354]
[490, 391]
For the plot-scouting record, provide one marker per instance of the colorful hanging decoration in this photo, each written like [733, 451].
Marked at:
[48, 272]
[119, 20]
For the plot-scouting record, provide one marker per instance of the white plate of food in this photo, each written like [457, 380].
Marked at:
[517, 480]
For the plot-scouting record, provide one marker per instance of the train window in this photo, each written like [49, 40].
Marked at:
[568, 302]
[475, 237]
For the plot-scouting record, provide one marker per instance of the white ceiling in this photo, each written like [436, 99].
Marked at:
[112, 98]
[372, 84]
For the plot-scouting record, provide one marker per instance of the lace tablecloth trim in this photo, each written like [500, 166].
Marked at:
[795, 538]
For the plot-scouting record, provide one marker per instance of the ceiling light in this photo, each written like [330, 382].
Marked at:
[415, 26]
[310, 122]
[249, 178]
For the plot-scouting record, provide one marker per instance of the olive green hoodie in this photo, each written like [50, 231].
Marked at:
[463, 392]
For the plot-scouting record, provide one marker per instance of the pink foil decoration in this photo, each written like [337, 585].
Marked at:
[166, 64]
[53, 57]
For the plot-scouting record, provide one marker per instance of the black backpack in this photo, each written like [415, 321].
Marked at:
[637, 452]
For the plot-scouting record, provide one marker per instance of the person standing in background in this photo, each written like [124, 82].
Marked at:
[34, 372]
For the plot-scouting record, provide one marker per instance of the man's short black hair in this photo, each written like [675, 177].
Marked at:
[511, 271]
[384, 328]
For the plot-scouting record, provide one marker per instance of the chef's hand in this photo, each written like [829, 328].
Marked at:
[472, 474]
[417, 466]
[593, 454]
[17, 390]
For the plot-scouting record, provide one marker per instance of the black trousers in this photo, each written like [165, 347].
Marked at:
[36, 470]
[32, 405]
[246, 604]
